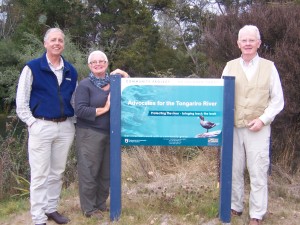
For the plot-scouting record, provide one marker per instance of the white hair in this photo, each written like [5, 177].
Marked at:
[249, 28]
[100, 53]
[55, 29]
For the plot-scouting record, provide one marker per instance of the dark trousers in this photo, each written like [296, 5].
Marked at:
[93, 150]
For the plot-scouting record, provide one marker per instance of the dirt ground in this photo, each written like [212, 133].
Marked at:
[283, 208]
[281, 211]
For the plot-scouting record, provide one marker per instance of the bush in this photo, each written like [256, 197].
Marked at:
[279, 28]
[13, 157]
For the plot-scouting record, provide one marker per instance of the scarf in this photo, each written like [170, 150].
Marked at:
[99, 82]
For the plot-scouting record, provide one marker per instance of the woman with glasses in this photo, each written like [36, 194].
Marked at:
[92, 104]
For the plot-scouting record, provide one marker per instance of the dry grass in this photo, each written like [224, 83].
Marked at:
[176, 186]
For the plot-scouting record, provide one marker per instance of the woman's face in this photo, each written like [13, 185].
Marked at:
[98, 65]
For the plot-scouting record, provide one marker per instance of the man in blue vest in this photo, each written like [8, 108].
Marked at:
[45, 89]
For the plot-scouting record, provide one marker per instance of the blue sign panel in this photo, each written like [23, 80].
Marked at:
[171, 111]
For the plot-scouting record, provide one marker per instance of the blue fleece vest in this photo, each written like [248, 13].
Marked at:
[48, 99]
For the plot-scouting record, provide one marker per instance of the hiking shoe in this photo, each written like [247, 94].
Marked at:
[254, 221]
[94, 214]
[235, 213]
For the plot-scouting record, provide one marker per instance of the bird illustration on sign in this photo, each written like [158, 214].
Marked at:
[208, 125]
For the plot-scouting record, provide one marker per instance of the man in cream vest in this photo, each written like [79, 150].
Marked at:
[258, 99]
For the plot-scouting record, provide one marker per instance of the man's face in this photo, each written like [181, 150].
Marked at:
[55, 43]
[248, 43]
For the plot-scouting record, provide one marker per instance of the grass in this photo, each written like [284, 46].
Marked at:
[12, 206]
[160, 187]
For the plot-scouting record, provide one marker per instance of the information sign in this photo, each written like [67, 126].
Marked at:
[172, 111]
[158, 111]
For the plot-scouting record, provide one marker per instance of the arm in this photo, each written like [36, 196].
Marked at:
[83, 106]
[73, 104]
[102, 110]
[121, 72]
[23, 97]
[276, 103]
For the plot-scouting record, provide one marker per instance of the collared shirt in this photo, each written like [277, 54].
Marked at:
[58, 71]
[251, 67]
[24, 90]
[276, 102]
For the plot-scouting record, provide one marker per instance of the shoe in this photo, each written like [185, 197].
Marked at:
[104, 210]
[94, 214]
[235, 213]
[254, 221]
[58, 218]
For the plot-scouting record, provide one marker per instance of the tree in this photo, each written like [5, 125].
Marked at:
[234, 6]
[9, 17]
[37, 16]
[126, 31]
[182, 27]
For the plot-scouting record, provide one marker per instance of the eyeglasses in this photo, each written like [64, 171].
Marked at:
[98, 62]
[250, 41]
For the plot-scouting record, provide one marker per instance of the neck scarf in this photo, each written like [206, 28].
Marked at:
[99, 82]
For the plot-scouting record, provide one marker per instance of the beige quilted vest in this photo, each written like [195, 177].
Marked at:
[251, 97]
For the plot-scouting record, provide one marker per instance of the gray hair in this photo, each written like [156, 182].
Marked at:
[55, 29]
[250, 28]
[100, 53]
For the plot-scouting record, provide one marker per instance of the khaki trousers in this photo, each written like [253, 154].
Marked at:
[251, 150]
[48, 147]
